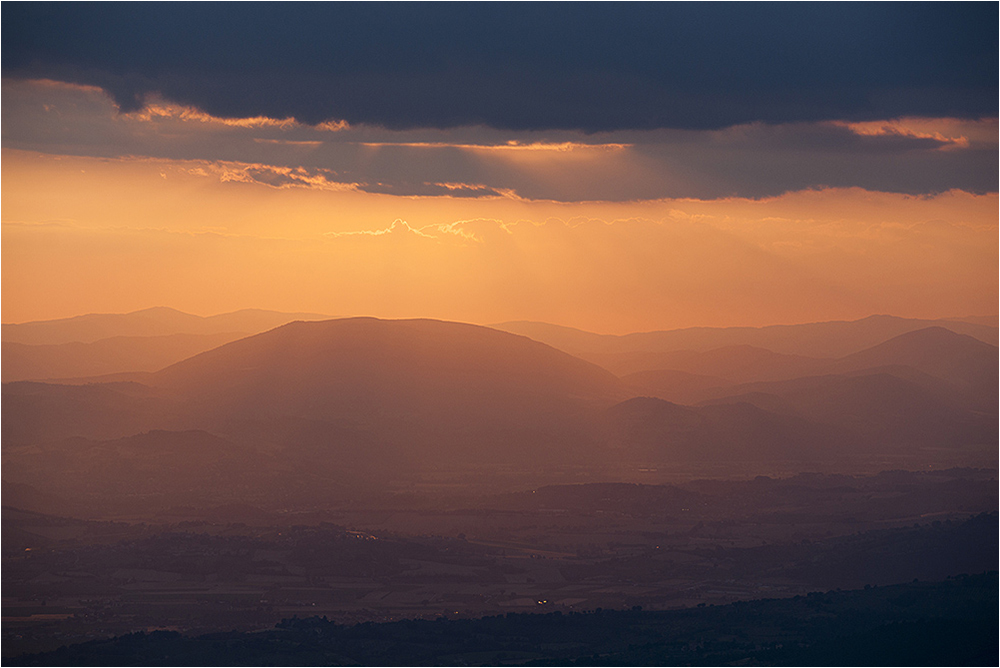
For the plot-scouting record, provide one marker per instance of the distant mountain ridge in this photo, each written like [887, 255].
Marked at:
[937, 351]
[820, 339]
[360, 401]
[991, 320]
[102, 344]
[156, 321]
[653, 431]
[117, 354]
[736, 363]
[877, 408]
[938, 359]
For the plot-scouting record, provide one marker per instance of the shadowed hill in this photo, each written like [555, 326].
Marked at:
[367, 369]
[158, 321]
[881, 409]
[435, 393]
[646, 429]
[957, 359]
[930, 386]
[40, 412]
[679, 387]
[958, 370]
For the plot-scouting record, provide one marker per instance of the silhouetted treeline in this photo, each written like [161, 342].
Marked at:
[952, 622]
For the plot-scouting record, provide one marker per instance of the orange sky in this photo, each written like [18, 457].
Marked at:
[611, 232]
[83, 234]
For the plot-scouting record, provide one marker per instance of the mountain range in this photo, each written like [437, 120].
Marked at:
[156, 321]
[818, 339]
[310, 409]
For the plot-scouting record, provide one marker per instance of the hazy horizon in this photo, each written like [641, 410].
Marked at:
[952, 317]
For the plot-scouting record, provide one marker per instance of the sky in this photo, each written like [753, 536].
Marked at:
[613, 167]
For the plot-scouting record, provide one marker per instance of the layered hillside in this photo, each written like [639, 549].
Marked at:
[371, 396]
[309, 408]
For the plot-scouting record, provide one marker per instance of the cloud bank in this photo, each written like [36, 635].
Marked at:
[913, 156]
[539, 66]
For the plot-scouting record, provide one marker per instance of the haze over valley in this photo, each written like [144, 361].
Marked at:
[321, 408]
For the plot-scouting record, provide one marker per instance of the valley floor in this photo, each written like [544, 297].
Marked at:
[561, 548]
[953, 622]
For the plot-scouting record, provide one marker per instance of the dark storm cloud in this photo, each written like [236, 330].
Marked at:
[519, 66]
[753, 160]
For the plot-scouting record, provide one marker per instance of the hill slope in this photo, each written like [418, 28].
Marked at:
[365, 368]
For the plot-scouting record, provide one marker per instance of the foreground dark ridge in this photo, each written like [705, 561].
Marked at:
[953, 622]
